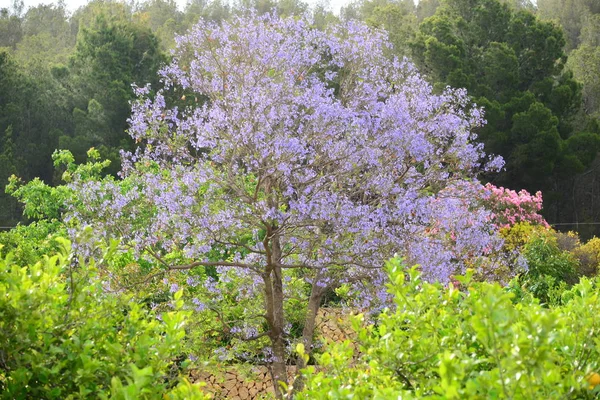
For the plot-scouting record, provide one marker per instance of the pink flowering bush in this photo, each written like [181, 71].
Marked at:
[509, 207]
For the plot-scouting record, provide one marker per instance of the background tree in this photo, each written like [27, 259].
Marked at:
[47, 38]
[513, 65]
[163, 18]
[88, 13]
[111, 54]
[216, 10]
[585, 63]
[8, 205]
[11, 29]
[323, 16]
[571, 14]
[521, 4]
[398, 18]
[426, 8]
[30, 117]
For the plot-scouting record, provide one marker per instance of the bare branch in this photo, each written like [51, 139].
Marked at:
[202, 264]
[214, 264]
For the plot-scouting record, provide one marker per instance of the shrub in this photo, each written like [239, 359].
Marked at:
[568, 241]
[516, 236]
[28, 243]
[475, 343]
[588, 255]
[64, 335]
[549, 267]
[553, 259]
[509, 207]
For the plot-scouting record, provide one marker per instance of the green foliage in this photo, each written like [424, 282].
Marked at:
[186, 391]
[469, 343]
[47, 39]
[29, 243]
[588, 255]
[44, 202]
[398, 18]
[40, 200]
[163, 18]
[11, 29]
[111, 53]
[552, 263]
[516, 236]
[32, 115]
[544, 257]
[556, 260]
[426, 8]
[216, 10]
[8, 206]
[65, 334]
[585, 62]
[571, 14]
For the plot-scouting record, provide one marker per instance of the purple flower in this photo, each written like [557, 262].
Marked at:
[200, 306]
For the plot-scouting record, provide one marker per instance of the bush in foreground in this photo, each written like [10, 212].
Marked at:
[474, 342]
[63, 334]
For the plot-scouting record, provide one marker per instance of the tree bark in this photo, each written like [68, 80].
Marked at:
[275, 316]
[308, 332]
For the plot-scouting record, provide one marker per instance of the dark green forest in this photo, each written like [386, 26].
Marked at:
[65, 81]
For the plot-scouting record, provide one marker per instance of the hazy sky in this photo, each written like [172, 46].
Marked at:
[72, 5]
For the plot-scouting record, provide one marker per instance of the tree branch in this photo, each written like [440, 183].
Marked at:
[202, 264]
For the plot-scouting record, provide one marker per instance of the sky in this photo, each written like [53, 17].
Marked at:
[72, 5]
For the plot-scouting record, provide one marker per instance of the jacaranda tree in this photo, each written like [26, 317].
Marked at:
[297, 152]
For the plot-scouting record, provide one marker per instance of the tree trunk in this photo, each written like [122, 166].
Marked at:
[276, 318]
[308, 332]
